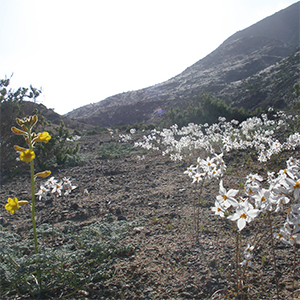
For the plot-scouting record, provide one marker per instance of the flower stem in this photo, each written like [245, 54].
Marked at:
[53, 220]
[36, 247]
[33, 207]
[237, 262]
[294, 268]
[273, 253]
[237, 269]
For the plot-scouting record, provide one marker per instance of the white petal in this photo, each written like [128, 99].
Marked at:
[241, 223]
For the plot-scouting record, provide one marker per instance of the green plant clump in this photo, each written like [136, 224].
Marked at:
[205, 109]
[85, 257]
[117, 150]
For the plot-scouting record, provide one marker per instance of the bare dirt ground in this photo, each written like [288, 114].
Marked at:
[168, 261]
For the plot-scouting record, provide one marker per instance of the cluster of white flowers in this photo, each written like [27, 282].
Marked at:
[111, 132]
[56, 187]
[140, 157]
[132, 131]
[290, 232]
[282, 190]
[147, 142]
[74, 138]
[124, 138]
[207, 168]
[248, 255]
[282, 193]
[256, 133]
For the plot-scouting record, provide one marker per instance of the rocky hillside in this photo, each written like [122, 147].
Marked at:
[254, 67]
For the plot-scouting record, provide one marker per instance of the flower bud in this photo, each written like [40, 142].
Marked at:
[33, 120]
[18, 131]
[43, 174]
[18, 148]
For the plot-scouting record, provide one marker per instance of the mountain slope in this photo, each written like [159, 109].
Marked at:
[224, 73]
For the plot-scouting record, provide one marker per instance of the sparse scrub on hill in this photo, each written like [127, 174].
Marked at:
[96, 130]
[122, 128]
[205, 109]
[296, 104]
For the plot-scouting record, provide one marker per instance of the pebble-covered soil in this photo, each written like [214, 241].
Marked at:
[169, 260]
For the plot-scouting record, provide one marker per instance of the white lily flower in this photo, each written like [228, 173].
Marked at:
[226, 199]
[218, 209]
[245, 213]
[42, 193]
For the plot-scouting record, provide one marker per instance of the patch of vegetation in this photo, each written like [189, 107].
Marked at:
[96, 130]
[137, 126]
[62, 149]
[117, 150]
[86, 256]
[205, 109]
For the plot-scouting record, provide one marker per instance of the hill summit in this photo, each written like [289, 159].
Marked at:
[254, 67]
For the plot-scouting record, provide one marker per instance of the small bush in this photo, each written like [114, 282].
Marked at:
[60, 150]
[117, 150]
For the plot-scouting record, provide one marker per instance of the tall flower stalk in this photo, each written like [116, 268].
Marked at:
[36, 247]
[27, 155]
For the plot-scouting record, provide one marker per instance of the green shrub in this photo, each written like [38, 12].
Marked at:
[204, 109]
[117, 150]
[60, 150]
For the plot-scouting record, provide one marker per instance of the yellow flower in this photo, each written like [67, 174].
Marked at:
[43, 174]
[43, 137]
[13, 204]
[27, 155]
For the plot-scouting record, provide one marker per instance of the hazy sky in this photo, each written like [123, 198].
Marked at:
[81, 52]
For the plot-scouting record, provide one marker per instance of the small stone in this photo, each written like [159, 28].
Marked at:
[74, 206]
[138, 229]
[121, 218]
